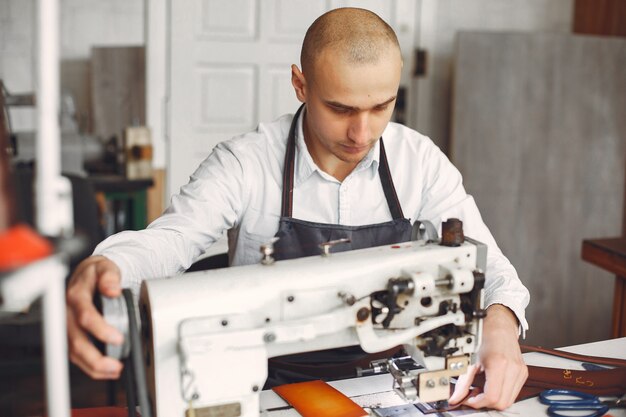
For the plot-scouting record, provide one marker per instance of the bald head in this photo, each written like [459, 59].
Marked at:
[358, 36]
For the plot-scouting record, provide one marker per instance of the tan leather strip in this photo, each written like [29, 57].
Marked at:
[318, 399]
[575, 356]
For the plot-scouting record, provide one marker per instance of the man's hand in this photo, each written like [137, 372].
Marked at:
[501, 360]
[83, 318]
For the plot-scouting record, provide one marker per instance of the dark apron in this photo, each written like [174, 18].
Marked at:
[299, 238]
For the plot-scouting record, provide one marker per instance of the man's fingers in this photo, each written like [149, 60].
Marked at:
[85, 314]
[463, 384]
[502, 384]
[90, 319]
[108, 279]
[494, 381]
[85, 355]
[80, 300]
[83, 318]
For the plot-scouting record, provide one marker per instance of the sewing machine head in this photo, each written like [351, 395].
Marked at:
[207, 335]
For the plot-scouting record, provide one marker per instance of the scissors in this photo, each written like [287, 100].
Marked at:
[578, 401]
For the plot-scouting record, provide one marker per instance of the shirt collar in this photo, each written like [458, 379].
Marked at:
[305, 166]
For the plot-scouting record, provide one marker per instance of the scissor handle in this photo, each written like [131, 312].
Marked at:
[597, 410]
[576, 397]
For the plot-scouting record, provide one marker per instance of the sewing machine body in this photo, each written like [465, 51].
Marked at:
[207, 335]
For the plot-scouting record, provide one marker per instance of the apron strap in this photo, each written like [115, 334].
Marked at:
[390, 190]
[288, 168]
[288, 171]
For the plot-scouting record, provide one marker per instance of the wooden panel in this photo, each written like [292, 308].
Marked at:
[75, 78]
[156, 195]
[539, 133]
[619, 308]
[606, 17]
[439, 23]
[610, 254]
[7, 197]
[600, 17]
[118, 89]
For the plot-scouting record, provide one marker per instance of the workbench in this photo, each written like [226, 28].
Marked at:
[375, 390]
[127, 201]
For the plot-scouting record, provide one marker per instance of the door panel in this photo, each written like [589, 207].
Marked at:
[217, 109]
[217, 19]
[287, 20]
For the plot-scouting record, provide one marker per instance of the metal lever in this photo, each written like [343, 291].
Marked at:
[267, 250]
[326, 246]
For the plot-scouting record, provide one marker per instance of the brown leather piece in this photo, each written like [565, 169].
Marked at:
[608, 382]
[318, 399]
[620, 363]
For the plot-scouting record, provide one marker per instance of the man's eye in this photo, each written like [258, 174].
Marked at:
[340, 110]
[381, 108]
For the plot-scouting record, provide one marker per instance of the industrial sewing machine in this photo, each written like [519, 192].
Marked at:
[207, 335]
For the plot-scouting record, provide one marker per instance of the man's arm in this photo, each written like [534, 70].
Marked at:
[505, 296]
[197, 217]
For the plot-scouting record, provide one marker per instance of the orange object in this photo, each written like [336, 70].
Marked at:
[20, 245]
[318, 399]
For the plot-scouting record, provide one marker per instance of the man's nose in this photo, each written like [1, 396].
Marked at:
[359, 130]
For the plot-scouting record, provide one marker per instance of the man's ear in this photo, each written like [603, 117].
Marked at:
[299, 83]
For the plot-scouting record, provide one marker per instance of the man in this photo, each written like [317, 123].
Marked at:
[324, 172]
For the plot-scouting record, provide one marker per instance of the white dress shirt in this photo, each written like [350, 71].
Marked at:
[238, 188]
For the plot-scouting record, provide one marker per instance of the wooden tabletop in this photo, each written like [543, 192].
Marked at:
[609, 254]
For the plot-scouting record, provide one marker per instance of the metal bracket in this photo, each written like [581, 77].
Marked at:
[326, 246]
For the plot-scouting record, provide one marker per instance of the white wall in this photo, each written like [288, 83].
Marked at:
[84, 24]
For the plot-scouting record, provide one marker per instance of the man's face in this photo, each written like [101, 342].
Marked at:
[348, 106]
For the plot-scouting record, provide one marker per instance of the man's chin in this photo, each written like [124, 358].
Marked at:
[352, 157]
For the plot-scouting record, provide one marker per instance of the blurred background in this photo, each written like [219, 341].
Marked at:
[526, 97]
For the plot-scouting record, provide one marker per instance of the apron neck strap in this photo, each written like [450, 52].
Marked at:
[288, 172]
[389, 189]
